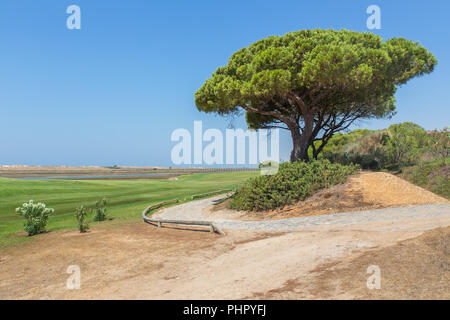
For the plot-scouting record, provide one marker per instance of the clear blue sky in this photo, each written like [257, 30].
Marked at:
[112, 92]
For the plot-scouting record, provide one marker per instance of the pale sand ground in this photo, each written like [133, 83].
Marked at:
[143, 262]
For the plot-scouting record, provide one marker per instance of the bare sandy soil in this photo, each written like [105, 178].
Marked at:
[417, 268]
[139, 261]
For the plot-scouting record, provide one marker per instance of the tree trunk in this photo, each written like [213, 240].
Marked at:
[296, 153]
[301, 141]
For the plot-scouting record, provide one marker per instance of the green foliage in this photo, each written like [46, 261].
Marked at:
[339, 140]
[318, 79]
[439, 142]
[81, 215]
[406, 142]
[100, 210]
[398, 146]
[432, 175]
[368, 150]
[293, 182]
[348, 62]
[36, 215]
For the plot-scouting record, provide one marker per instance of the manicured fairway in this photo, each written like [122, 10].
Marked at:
[126, 198]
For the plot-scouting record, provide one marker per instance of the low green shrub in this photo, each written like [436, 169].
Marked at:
[36, 215]
[340, 140]
[407, 141]
[81, 215]
[100, 210]
[293, 182]
[439, 143]
[370, 151]
[401, 145]
[432, 175]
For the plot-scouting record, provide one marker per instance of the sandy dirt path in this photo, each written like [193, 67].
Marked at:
[398, 219]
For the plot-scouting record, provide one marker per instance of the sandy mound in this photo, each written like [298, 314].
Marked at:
[364, 191]
[385, 188]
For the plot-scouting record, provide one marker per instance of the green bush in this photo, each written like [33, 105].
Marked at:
[293, 182]
[400, 145]
[369, 151]
[407, 141]
[439, 143]
[432, 175]
[341, 140]
[100, 210]
[36, 215]
[80, 215]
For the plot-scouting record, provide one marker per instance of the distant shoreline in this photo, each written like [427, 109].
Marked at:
[31, 167]
[98, 172]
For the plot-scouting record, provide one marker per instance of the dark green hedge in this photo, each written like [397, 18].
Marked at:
[293, 182]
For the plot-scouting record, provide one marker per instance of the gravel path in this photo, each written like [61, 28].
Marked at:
[410, 218]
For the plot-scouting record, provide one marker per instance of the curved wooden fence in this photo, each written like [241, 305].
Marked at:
[200, 195]
[159, 222]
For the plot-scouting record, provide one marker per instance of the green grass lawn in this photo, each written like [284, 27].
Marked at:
[126, 198]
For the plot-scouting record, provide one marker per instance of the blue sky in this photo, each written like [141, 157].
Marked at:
[113, 92]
